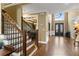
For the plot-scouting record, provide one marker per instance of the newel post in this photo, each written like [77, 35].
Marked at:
[24, 43]
[37, 38]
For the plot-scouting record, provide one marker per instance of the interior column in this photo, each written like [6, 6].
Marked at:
[65, 22]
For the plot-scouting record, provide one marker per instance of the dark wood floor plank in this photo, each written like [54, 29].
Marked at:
[58, 46]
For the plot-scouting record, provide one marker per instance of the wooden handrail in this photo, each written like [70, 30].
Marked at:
[12, 22]
[27, 23]
[5, 52]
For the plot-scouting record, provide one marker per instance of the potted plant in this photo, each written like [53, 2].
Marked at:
[1, 41]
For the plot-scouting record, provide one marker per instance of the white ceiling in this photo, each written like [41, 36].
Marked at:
[49, 7]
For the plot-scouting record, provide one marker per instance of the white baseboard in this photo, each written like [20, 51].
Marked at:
[42, 42]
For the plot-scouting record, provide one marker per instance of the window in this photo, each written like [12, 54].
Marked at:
[59, 16]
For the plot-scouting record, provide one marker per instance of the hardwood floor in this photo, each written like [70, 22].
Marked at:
[58, 46]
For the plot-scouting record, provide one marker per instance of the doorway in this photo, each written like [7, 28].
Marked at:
[59, 29]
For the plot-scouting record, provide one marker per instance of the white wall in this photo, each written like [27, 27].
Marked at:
[19, 16]
[49, 20]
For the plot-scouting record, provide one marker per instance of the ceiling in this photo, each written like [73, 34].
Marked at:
[49, 7]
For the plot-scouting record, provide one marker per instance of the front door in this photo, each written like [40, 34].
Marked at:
[59, 29]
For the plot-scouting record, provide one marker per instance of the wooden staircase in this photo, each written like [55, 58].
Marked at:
[32, 36]
[17, 40]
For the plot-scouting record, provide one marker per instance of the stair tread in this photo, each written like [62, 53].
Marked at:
[30, 50]
[30, 43]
